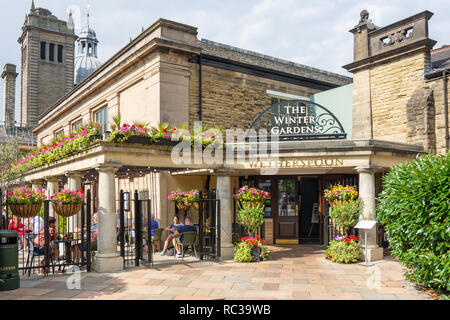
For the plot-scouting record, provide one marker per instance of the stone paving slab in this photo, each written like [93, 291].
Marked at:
[293, 272]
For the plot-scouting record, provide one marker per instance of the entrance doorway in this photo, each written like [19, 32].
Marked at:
[309, 218]
[286, 210]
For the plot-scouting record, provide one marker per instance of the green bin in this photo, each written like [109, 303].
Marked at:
[9, 260]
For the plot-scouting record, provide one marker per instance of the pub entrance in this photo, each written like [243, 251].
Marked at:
[294, 207]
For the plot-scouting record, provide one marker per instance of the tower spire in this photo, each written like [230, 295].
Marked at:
[88, 14]
[32, 5]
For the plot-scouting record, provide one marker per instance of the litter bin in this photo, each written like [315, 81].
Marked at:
[9, 260]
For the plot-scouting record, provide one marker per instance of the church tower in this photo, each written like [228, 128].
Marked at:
[47, 63]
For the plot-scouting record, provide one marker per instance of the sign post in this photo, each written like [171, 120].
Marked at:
[365, 225]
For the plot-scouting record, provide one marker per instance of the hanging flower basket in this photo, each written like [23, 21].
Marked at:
[25, 210]
[24, 202]
[255, 204]
[67, 209]
[68, 203]
[182, 206]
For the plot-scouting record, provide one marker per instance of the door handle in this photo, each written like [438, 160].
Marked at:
[296, 210]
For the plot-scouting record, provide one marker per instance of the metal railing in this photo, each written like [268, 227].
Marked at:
[49, 242]
[23, 133]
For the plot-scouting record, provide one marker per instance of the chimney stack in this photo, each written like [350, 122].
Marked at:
[9, 76]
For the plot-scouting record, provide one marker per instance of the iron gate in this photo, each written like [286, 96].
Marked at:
[50, 242]
[134, 229]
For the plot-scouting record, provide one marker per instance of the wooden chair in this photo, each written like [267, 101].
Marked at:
[188, 240]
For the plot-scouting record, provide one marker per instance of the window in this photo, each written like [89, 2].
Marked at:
[274, 100]
[101, 117]
[77, 125]
[60, 54]
[43, 48]
[51, 54]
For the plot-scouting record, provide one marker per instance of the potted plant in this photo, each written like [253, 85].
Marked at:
[135, 133]
[184, 200]
[343, 249]
[252, 197]
[96, 129]
[165, 136]
[250, 249]
[340, 193]
[24, 202]
[67, 203]
[251, 217]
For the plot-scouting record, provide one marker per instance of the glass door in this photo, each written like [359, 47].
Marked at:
[287, 211]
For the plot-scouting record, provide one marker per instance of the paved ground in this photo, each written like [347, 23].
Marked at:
[293, 272]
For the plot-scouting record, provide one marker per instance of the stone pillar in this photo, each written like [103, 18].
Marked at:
[367, 195]
[52, 188]
[73, 183]
[224, 194]
[9, 76]
[107, 259]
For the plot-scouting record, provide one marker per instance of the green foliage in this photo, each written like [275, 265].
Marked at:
[414, 206]
[9, 153]
[242, 253]
[251, 217]
[346, 213]
[343, 252]
[243, 249]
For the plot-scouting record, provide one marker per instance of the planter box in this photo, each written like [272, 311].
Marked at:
[138, 140]
[256, 254]
[95, 137]
[164, 142]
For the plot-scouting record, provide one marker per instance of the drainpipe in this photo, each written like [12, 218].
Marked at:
[447, 138]
[200, 87]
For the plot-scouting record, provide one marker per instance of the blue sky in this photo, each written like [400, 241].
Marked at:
[311, 32]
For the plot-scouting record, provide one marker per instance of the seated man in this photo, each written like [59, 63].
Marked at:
[179, 232]
[171, 237]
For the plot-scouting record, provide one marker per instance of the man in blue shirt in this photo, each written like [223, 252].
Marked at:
[179, 232]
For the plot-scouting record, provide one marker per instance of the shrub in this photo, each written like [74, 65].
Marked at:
[243, 248]
[414, 206]
[346, 213]
[251, 217]
[343, 250]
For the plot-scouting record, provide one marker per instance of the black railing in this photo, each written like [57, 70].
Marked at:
[49, 242]
[331, 229]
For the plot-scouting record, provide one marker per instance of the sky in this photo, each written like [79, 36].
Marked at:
[310, 32]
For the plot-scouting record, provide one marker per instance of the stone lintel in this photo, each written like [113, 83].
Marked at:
[74, 174]
[224, 172]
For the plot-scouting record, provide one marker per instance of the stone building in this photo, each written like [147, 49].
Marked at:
[166, 74]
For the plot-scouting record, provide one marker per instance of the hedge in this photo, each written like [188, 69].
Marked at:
[414, 206]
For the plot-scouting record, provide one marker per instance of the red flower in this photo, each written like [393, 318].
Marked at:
[246, 242]
[264, 242]
[81, 191]
[346, 240]
[329, 256]
[354, 238]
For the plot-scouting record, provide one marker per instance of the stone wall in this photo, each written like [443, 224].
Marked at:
[232, 99]
[438, 93]
[392, 85]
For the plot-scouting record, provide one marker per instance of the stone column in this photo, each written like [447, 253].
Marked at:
[73, 183]
[367, 195]
[52, 188]
[107, 259]
[224, 194]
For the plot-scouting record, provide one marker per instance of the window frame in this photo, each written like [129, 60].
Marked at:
[76, 122]
[60, 53]
[43, 52]
[104, 126]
